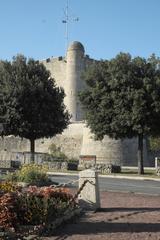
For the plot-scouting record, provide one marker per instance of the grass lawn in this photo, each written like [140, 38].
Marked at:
[148, 172]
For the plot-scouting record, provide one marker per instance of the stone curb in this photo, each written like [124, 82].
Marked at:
[63, 174]
[107, 176]
[130, 177]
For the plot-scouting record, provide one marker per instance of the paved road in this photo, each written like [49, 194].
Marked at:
[114, 184]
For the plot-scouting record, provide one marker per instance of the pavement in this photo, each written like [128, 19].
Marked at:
[123, 216]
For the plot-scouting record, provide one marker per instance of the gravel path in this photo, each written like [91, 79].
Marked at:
[124, 216]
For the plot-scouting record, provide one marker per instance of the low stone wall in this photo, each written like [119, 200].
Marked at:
[62, 165]
[102, 167]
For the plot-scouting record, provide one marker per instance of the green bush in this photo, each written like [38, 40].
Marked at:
[56, 154]
[32, 174]
[73, 160]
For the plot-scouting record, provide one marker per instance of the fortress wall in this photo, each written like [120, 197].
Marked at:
[118, 152]
[130, 148]
[10, 145]
[70, 142]
[107, 151]
[57, 67]
[77, 140]
[13, 144]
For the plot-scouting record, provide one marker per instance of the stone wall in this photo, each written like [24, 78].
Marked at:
[57, 68]
[69, 142]
[77, 140]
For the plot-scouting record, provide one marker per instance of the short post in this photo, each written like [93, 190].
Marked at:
[157, 165]
[89, 196]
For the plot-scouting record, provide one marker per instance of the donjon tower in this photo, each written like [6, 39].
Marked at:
[75, 63]
[77, 140]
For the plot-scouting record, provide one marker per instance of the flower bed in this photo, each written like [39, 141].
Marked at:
[36, 206]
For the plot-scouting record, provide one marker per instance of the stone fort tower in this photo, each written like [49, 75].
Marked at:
[77, 139]
[67, 73]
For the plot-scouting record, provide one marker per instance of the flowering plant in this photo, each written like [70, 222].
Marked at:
[34, 205]
[31, 173]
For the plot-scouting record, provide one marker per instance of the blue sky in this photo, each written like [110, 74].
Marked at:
[105, 27]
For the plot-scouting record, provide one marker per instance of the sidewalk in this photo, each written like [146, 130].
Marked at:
[124, 216]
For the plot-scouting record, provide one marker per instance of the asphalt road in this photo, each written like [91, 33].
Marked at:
[113, 184]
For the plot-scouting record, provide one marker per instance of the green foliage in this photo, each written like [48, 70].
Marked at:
[31, 105]
[154, 143]
[123, 98]
[32, 174]
[73, 160]
[56, 153]
[8, 186]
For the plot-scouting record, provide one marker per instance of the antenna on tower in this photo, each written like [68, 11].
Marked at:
[66, 20]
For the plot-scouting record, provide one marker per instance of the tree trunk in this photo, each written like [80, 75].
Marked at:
[140, 154]
[32, 149]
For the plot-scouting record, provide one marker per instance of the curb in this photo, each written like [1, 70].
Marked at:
[132, 178]
[62, 174]
[108, 176]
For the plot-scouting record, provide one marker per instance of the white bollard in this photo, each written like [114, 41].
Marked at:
[89, 196]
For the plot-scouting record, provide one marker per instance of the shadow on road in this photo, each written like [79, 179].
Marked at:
[110, 224]
[145, 209]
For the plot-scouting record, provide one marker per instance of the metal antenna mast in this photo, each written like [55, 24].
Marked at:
[66, 21]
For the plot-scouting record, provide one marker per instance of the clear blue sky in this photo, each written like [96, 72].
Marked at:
[105, 27]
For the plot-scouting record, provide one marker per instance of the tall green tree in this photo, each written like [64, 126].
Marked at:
[122, 99]
[31, 104]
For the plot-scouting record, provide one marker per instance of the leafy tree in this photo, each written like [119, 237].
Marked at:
[123, 99]
[32, 104]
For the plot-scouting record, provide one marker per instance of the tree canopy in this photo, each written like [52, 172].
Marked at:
[31, 104]
[122, 98]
